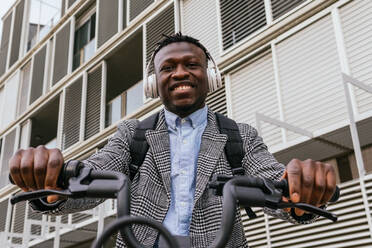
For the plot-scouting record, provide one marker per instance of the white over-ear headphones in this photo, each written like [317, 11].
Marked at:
[151, 88]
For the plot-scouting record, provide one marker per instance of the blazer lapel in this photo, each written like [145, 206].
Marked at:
[158, 141]
[211, 147]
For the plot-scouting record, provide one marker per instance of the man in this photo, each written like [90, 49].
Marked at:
[185, 150]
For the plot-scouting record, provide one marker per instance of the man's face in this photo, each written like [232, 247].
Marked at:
[182, 79]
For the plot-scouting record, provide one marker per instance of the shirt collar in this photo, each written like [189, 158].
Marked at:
[197, 118]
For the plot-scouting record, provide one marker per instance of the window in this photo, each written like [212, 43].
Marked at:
[280, 7]
[44, 125]
[24, 88]
[10, 99]
[124, 88]
[126, 103]
[43, 15]
[240, 18]
[84, 43]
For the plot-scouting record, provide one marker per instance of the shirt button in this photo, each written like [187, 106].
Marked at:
[183, 172]
[184, 141]
[183, 204]
[183, 121]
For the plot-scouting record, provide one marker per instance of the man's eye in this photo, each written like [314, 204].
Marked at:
[166, 68]
[192, 65]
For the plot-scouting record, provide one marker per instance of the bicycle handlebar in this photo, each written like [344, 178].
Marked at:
[80, 181]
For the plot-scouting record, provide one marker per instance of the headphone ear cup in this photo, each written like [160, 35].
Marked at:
[150, 86]
[214, 79]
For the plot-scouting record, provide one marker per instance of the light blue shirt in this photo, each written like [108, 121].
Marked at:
[185, 138]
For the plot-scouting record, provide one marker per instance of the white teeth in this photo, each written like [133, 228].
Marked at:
[183, 87]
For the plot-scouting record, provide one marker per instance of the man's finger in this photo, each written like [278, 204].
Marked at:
[55, 161]
[330, 184]
[41, 156]
[294, 180]
[27, 170]
[15, 170]
[320, 184]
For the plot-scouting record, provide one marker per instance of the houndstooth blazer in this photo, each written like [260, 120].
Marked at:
[150, 194]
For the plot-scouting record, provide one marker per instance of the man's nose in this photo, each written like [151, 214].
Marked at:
[180, 72]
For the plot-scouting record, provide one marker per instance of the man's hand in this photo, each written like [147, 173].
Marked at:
[36, 168]
[310, 182]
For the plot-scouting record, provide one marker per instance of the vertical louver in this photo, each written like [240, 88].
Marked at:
[240, 18]
[18, 221]
[72, 114]
[93, 104]
[38, 75]
[24, 88]
[357, 27]
[5, 43]
[309, 72]
[61, 51]
[17, 31]
[253, 90]
[8, 151]
[107, 20]
[196, 12]
[136, 7]
[217, 101]
[161, 24]
[280, 7]
[3, 212]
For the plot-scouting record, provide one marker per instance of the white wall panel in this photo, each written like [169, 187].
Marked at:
[253, 90]
[196, 12]
[10, 101]
[310, 78]
[357, 28]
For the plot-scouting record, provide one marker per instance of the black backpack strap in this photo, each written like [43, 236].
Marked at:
[139, 145]
[234, 145]
[233, 149]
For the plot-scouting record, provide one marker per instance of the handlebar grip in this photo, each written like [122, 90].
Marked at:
[68, 170]
[283, 185]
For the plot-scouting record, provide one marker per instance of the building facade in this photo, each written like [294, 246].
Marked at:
[299, 71]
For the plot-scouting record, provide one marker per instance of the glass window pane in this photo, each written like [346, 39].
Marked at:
[114, 111]
[89, 50]
[134, 98]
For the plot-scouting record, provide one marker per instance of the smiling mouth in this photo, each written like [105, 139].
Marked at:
[182, 87]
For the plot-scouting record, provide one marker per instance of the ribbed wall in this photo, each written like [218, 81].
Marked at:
[3, 212]
[17, 31]
[24, 88]
[107, 20]
[93, 104]
[38, 71]
[351, 229]
[280, 7]
[217, 101]
[72, 114]
[18, 221]
[240, 18]
[253, 90]
[196, 12]
[161, 24]
[310, 78]
[254, 229]
[136, 7]
[61, 51]
[5, 43]
[8, 150]
[357, 28]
